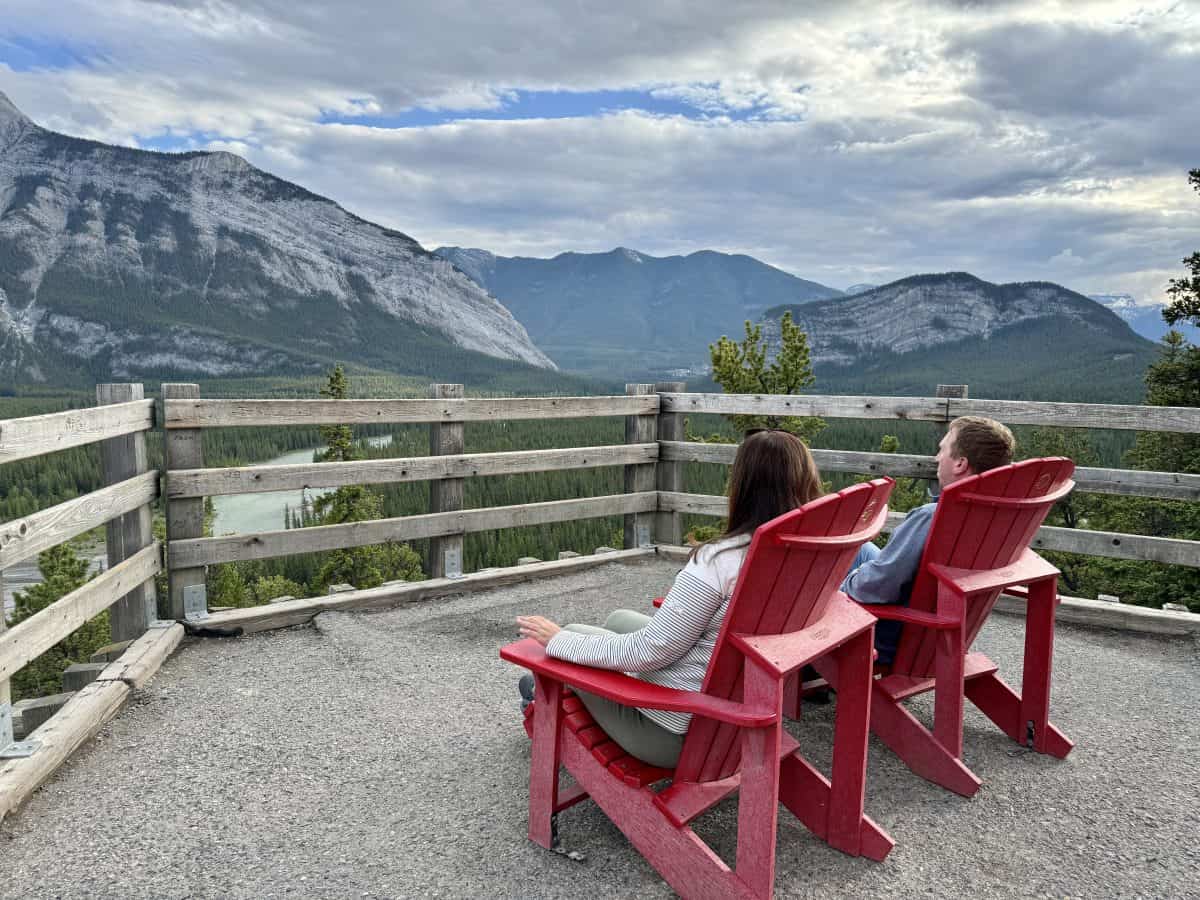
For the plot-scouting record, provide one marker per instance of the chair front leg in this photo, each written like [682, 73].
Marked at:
[1039, 653]
[758, 796]
[851, 727]
[543, 767]
[949, 668]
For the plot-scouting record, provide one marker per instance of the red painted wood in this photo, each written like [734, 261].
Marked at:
[849, 777]
[978, 545]
[569, 796]
[785, 610]
[543, 768]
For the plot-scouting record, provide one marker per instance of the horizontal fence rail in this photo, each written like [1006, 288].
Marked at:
[1124, 482]
[1069, 540]
[252, 479]
[1183, 419]
[37, 435]
[23, 538]
[29, 639]
[206, 551]
[238, 413]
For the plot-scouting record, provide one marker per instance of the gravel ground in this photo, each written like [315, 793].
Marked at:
[380, 755]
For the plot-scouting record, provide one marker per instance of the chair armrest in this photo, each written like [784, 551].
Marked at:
[783, 654]
[1029, 567]
[895, 613]
[623, 689]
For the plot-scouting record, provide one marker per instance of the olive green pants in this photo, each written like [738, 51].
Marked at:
[637, 734]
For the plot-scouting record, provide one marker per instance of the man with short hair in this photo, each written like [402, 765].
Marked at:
[971, 445]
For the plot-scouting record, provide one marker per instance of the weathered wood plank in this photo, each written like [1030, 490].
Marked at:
[1111, 545]
[206, 551]
[121, 458]
[669, 476]
[28, 640]
[1125, 482]
[35, 435]
[1102, 614]
[446, 438]
[253, 479]
[920, 409]
[23, 538]
[225, 413]
[1184, 419]
[639, 527]
[75, 723]
[184, 448]
[297, 612]
[145, 656]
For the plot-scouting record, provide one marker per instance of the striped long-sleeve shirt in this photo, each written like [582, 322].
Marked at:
[674, 648]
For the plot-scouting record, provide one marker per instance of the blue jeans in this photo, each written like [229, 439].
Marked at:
[887, 634]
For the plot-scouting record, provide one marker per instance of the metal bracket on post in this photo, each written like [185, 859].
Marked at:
[10, 749]
[195, 602]
[454, 565]
[643, 534]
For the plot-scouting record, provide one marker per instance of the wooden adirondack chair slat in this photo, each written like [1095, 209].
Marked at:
[785, 608]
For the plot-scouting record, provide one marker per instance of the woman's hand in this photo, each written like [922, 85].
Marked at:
[537, 627]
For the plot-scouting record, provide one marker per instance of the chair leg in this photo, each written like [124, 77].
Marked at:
[1000, 703]
[806, 793]
[913, 743]
[792, 691]
[543, 766]
[851, 727]
[949, 669]
[1035, 683]
[758, 796]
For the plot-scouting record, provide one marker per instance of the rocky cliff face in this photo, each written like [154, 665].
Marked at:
[925, 312]
[126, 261]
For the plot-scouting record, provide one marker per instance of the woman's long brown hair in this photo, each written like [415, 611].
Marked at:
[773, 473]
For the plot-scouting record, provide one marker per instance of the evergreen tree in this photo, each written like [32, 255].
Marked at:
[742, 368]
[62, 572]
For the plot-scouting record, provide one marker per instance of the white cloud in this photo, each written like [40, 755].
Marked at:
[849, 142]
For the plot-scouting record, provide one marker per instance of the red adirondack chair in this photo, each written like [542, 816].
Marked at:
[978, 546]
[785, 611]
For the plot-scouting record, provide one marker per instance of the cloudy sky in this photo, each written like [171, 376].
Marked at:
[843, 142]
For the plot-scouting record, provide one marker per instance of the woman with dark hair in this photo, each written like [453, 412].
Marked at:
[772, 474]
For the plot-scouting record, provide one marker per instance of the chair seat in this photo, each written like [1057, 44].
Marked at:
[631, 770]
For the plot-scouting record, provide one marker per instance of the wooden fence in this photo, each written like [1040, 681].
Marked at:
[652, 503]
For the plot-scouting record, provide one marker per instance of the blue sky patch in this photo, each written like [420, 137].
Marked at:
[540, 105]
[25, 54]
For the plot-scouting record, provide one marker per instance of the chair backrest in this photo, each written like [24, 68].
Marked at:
[785, 584]
[982, 522]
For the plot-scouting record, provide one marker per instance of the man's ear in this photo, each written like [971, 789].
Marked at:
[962, 467]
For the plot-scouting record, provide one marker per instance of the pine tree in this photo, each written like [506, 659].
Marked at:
[62, 572]
[742, 368]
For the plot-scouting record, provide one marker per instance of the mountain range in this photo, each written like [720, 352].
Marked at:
[1145, 319]
[123, 263]
[630, 311]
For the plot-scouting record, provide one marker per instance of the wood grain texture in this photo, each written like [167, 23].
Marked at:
[206, 551]
[297, 612]
[669, 476]
[641, 476]
[23, 538]
[145, 656]
[933, 409]
[197, 413]
[28, 640]
[121, 458]
[184, 449]
[446, 438]
[36, 435]
[71, 726]
[254, 479]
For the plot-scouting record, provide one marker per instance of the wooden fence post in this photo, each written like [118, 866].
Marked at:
[639, 527]
[668, 526]
[446, 494]
[184, 449]
[5, 690]
[121, 458]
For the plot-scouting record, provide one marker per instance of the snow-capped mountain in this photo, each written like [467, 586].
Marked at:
[118, 262]
[1144, 318]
